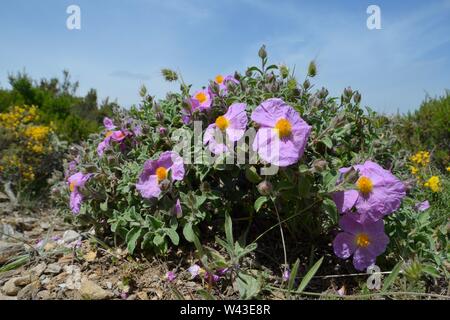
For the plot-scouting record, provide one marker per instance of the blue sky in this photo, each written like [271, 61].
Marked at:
[124, 44]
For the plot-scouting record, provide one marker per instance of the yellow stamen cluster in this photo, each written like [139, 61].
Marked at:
[201, 97]
[222, 123]
[421, 158]
[283, 128]
[219, 79]
[434, 183]
[364, 185]
[161, 173]
[362, 240]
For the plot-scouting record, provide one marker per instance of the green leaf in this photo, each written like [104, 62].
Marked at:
[132, 238]
[252, 175]
[293, 275]
[248, 286]
[391, 278]
[173, 235]
[328, 142]
[229, 229]
[309, 276]
[104, 206]
[158, 240]
[329, 207]
[188, 232]
[259, 202]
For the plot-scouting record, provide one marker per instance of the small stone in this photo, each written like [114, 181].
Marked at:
[44, 225]
[29, 291]
[6, 230]
[53, 268]
[70, 236]
[91, 291]
[9, 250]
[23, 280]
[9, 288]
[38, 270]
[43, 295]
[142, 295]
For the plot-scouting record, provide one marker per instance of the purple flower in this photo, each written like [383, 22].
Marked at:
[422, 206]
[162, 131]
[212, 277]
[195, 270]
[283, 135]
[177, 211]
[222, 82]
[204, 99]
[377, 193]
[222, 271]
[170, 276]
[192, 105]
[286, 275]
[232, 123]
[76, 182]
[156, 171]
[117, 136]
[137, 130]
[109, 124]
[364, 240]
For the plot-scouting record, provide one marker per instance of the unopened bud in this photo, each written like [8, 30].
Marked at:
[162, 131]
[284, 71]
[262, 53]
[357, 97]
[323, 93]
[164, 185]
[312, 69]
[143, 91]
[169, 75]
[306, 84]
[348, 92]
[265, 188]
[320, 165]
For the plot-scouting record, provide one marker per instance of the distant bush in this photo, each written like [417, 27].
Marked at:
[73, 118]
[428, 128]
[29, 151]
[37, 118]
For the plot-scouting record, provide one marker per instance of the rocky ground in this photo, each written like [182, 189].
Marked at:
[41, 257]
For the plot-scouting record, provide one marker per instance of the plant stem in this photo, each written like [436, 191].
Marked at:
[282, 234]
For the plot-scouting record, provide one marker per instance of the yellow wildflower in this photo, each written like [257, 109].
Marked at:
[421, 158]
[434, 183]
[414, 170]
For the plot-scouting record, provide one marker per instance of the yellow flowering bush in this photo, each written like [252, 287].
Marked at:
[27, 148]
[421, 170]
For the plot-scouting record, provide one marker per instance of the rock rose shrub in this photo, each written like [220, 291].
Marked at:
[313, 161]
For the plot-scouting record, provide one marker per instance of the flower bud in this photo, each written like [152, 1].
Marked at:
[164, 185]
[357, 97]
[348, 92]
[262, 53]
[284, 71]
[323, 93]
[319, 165]
[265, 188]
[306, 84]
[249, 72]
[312, 69]
[162, 131]
[143, 91]
[169, 75]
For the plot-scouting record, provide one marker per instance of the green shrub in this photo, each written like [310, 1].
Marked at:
[428, 128]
